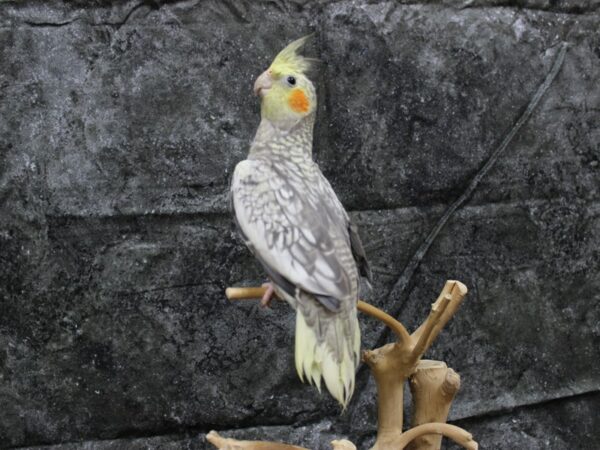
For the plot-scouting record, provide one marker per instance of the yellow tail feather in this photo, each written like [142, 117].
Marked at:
[316, 360]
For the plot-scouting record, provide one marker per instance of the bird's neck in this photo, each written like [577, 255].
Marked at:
[284, 139]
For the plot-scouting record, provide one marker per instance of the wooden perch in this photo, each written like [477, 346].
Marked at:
[343, 444]
[433, 387]
[392, 364]
[232, 444]
[433, 384]
[252, 293]
[458, 435]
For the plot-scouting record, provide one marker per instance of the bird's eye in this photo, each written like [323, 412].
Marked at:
[291, 80]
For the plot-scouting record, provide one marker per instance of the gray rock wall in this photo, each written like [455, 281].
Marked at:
[120, 124]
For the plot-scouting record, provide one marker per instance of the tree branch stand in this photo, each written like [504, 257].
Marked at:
[433, 385]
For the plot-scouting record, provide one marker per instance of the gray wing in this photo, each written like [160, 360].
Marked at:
[358, 252]
[336, 208]
[287, 221]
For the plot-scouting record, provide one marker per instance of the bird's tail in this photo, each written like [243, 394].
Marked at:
[328, 348]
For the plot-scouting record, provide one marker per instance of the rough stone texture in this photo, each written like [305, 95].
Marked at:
[120, 123]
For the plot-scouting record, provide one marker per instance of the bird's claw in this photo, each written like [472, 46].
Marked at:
[267, 297]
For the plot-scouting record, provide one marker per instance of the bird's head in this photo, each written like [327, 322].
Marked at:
[286, 93]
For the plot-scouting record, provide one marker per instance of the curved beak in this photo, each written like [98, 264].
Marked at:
[263, 83]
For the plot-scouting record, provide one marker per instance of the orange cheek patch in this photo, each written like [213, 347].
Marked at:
[298, 101]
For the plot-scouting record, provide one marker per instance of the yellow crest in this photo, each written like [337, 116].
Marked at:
[289, 61]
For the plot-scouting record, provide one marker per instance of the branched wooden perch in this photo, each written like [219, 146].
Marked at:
[433, 384]
[393, 363]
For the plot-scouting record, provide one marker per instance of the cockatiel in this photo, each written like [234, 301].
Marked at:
[294, 224]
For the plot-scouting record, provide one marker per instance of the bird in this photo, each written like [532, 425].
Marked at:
[292, 221]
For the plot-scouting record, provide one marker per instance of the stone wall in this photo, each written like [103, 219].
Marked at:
[120, 125]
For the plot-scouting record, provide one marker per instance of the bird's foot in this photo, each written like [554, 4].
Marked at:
[267, 297]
